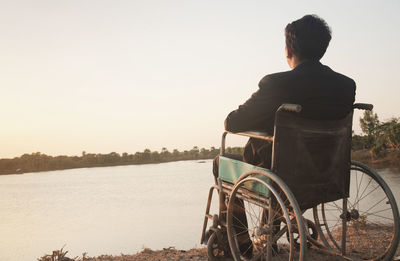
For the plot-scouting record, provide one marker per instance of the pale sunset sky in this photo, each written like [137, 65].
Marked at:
[102, 76]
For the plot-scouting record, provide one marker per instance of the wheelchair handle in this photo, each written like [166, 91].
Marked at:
[363, 106]
[290, 107]
[250, 134]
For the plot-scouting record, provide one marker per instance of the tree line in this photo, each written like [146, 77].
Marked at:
[379, 138]
[37, 161]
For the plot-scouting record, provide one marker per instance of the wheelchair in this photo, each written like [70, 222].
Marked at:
[261, 213]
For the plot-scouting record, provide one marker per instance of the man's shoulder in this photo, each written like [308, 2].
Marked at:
[274, 78]
[295, 77]
[342, 77]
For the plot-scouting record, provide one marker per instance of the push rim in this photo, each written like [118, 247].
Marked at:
[264, 225]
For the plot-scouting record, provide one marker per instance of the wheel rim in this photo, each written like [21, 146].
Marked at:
[265, 225]
[372, 218]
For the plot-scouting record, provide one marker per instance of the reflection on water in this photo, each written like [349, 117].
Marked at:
[108, 210]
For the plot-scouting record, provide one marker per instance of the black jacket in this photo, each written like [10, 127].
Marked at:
[322, 93]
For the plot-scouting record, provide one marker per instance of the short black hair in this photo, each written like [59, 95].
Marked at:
[308, 37]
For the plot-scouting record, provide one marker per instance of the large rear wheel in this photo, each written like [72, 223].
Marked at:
[365, 225]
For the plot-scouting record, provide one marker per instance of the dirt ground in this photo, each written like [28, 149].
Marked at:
[200, 254]
[379, 240]
[193, 255]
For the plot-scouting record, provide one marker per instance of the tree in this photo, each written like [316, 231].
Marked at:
[391, 131]
[125, 157]
[195, 152]
[146, 156]
[380, 135]
[359, 142]
[155, 157]
[204, 153]
[175, 153]
[370, 125]
[165, 154]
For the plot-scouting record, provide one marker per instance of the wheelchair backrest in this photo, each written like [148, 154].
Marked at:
[313, 157]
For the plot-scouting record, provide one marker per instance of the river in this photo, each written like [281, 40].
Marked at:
[109, 210]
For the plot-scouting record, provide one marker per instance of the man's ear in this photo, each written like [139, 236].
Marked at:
[288, 52]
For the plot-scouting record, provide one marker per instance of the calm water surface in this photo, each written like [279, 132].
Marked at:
[109, 210]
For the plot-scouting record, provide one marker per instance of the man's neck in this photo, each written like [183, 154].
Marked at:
[297, 61]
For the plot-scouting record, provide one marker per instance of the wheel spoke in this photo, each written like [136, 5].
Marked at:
[248, 249]
[370, 214]
[339, 208]
[241, 223]
[366, 195]
[370, 180]
[243, 232]
[379, 211]
[375, 204]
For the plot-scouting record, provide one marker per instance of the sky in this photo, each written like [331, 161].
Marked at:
[122, 76]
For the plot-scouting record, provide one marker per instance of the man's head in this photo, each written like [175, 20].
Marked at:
[307, 38]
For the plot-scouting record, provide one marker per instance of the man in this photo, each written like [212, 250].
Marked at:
[322, 93]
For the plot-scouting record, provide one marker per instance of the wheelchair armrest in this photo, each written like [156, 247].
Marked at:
[256, 135]
[251, 134]
[261, 135]
[363, 106]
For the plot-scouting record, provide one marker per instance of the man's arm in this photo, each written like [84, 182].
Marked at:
[257, 113]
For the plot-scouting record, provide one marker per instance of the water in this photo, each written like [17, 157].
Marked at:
[109, 210]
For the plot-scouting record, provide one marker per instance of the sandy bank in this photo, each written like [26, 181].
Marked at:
[172, 254]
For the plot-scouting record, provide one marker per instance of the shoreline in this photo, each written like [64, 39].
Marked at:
[390, 160]
[200, 161]
[105, 166]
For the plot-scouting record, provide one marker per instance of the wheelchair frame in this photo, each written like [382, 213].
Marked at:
[300, 232]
